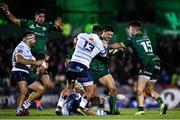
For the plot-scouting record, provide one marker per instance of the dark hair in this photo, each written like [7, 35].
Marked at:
[96, 28]
[135, 24]
[41, 11]
[108, 28]
[26, 33]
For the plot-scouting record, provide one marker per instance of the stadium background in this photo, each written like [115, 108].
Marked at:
[161, 21]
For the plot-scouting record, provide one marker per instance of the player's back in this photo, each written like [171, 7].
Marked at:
[142, 47]
[87, 47]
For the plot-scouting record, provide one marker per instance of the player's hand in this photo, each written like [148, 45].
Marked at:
[40, 70]
[47, 57]
[37, 63]
[58, 23]
[45, 65]
[4, 7]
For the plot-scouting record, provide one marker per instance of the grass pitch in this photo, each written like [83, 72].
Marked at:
[126, 114]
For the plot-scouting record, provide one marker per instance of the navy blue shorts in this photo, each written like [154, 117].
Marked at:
[78, 71]
[17, 76]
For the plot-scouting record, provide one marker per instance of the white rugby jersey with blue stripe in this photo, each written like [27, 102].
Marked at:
[87, 47]
[24, 50]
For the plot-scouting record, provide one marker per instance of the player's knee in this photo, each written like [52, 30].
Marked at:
[139, 90]
[41, 90]
[24, 91]
[46, 85]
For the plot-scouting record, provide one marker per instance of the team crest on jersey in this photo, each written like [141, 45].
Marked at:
[44, 28]
[32, 26]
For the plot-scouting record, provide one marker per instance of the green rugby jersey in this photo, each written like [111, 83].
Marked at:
[97, 63]
[40, 34]
[142, 48]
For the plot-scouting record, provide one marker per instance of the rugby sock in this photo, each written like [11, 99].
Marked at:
[83, 102]
[26, 104]
[19, 109]
[140, 108]
[38, 101]
[159, 100]
[60, 102]
[112, 104]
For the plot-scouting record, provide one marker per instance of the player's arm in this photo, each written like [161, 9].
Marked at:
[102, 47]
[8, 14]
[56, 25]
[20, 59]
[116, 46]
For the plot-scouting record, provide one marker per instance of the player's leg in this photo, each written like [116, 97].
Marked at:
[63, 95]
[86, 78]
[95, 112]
[109, 83]
[42, 75]
[20, 78]
[71, 77]
[85, 98]
[150, 88]
[141, 83]
[22, 88]
[155, 95]
[96, 100]
[37, 90]
[47, 83]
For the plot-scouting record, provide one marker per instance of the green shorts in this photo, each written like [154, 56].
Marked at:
[98, 74]
[34, 76]
[151, 70]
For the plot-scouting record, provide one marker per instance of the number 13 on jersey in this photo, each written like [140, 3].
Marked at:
[88, 46]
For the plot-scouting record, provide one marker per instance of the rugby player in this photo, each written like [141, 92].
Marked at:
[39, 50]
[148, 74]
[22, 61]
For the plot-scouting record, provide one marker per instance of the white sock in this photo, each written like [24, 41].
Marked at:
[60, 102]
[83, 103]
[18, 109]
[26, 104]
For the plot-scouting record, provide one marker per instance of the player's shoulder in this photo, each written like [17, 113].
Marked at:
[82, 35]
[129, 39]
[21, 45]
[27, 20]
[94, 35]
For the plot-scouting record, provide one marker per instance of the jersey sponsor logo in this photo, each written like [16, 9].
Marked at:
[32, 26]
[39, 34]
[44, 28]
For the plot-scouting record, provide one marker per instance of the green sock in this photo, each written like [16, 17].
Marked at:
[159, 100]
[112, 104]
[140, 108]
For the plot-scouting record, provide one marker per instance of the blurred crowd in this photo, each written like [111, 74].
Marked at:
[168, 49]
